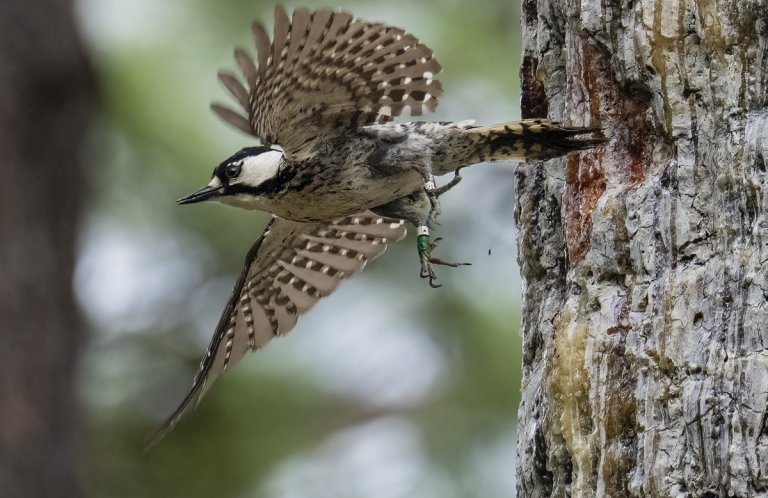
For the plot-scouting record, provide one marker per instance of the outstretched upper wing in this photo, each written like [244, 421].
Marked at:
[287, 270]
[326, 72]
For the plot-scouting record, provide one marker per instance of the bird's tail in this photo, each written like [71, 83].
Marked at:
[526, 140]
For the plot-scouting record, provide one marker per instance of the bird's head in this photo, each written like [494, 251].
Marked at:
[246, 179]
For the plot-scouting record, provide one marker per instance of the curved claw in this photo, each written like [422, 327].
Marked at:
[434, 210]
[427, 260]
[432, 219]
[432, 278]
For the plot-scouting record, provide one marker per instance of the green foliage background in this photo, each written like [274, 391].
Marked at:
[318, 413]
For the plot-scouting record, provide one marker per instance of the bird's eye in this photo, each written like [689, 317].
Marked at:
[233, 170]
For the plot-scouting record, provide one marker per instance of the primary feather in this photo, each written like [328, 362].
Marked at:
[289, 268]
[324, 73]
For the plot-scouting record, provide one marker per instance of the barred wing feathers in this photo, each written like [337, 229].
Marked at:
[286, 272]
[323, 73]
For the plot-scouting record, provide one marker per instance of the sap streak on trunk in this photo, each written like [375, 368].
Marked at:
[645, 316]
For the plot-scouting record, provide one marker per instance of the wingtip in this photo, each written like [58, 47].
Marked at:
[280, 14]
[154, 439]
[231, 117]
[190, 402]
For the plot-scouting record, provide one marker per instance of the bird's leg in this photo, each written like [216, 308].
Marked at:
[413, 208]
[434, 202]
[426, 259]
[434, 192]
[454, 181]
[423, 244]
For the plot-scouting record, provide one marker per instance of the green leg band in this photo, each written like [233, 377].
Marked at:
[422, 242]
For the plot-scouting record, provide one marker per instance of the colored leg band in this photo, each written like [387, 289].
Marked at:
[429, 185]
[422, 242]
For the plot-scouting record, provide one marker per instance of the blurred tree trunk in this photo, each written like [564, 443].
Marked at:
[46, 95]
[645, 317]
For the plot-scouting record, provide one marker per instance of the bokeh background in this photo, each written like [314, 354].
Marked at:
[387, 388]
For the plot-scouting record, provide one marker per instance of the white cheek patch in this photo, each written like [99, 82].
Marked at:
[258, 169]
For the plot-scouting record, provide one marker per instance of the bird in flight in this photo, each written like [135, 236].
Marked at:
[345, 178]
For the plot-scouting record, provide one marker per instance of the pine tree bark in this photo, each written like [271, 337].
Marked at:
[645, 263]
[46, 95]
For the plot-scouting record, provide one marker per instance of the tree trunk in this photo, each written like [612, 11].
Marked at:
[645, 316]
[46, 94]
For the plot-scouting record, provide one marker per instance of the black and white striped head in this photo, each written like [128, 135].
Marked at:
[244, 179]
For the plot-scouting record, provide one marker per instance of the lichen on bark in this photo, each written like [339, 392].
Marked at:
[645, 263]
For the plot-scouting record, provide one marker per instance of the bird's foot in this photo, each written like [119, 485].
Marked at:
[433, 194]
[427, 260]
[434, 201]
[448, 186]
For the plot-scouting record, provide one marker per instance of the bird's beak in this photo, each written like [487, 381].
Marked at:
[201, 195]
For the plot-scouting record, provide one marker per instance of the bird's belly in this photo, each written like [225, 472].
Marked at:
[343, 197]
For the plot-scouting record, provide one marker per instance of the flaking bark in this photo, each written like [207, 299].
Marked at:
[645, 263]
